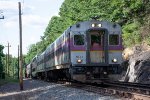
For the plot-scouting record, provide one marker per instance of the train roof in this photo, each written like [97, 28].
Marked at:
[93, 24]
[34, 58]
[84, 26]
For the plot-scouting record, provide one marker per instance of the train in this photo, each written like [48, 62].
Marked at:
[28, 71]
[88, 51]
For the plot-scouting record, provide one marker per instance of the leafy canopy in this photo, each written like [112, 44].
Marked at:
[128, 13]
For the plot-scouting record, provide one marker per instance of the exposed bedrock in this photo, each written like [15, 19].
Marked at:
[137, 66]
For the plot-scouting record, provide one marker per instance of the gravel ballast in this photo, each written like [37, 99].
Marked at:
[40, 90]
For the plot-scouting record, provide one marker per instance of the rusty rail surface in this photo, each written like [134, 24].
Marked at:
[125, 90]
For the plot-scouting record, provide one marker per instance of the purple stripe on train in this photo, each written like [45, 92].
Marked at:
[83, 47]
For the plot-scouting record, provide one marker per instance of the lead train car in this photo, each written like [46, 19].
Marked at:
[88, 51]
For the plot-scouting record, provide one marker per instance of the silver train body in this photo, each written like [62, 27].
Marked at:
[28, 71]
[89, 51]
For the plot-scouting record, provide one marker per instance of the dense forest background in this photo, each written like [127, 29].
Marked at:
[8, 69]
[1, 60]
[132, 15]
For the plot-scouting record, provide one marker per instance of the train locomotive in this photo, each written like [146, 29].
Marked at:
[89, 51]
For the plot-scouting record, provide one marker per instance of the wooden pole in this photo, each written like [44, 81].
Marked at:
[7, 64]
[8, 59]
[20, 29]
[6, 70]
[18, 61]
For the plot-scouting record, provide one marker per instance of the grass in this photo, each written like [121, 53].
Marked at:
[8, 80]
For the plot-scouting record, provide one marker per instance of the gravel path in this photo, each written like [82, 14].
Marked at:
[39, 90]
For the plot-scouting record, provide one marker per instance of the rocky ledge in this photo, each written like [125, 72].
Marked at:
[137, 65]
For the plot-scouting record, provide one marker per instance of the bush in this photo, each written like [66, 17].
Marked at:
[131, 34]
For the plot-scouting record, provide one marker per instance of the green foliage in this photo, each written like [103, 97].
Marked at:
[13, 70]
[8, 80]
[129, 13]
[33, 49]
[1, 55]
[145, 30]
[11, 67]
[54, 29]
[131, 35]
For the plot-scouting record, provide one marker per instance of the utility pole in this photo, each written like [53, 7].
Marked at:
[8, 58]
[13, 70]
[20, 36]
[6, 63]
[18, 61]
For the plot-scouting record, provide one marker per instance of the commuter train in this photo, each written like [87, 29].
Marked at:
[28, 71]
[89, 51]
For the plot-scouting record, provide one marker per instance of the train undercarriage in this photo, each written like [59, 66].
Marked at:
[82, 74]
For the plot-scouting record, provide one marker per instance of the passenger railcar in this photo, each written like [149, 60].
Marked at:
[33, 66]
[28, 71]
[88, 51]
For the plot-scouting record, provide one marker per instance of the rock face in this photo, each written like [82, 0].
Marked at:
[138, 69]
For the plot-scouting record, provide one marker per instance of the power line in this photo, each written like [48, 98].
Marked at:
[1, 14]
[10, 12]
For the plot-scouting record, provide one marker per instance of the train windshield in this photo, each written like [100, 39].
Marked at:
[96, 39]
[78, 39]
[96, 46]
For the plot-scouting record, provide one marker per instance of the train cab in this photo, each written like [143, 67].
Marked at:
[95, 50]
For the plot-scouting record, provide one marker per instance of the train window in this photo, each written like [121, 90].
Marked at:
[96, 39]
[78, 39]
[113, 39]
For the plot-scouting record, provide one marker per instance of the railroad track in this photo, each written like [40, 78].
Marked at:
[133, 90]
[126, 90]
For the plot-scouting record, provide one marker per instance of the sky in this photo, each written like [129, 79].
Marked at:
[36, 15]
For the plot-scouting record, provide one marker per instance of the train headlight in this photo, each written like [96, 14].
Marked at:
[96, 25]
[79, 61]
[114, 60]
[99, 25]
[93, 25]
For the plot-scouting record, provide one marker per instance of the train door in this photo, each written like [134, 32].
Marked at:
[97, 47]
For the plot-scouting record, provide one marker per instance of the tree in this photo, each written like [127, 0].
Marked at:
[129, 13]
[1, 55]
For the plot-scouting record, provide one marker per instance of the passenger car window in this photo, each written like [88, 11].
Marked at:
[113, 39]
[78, 39]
